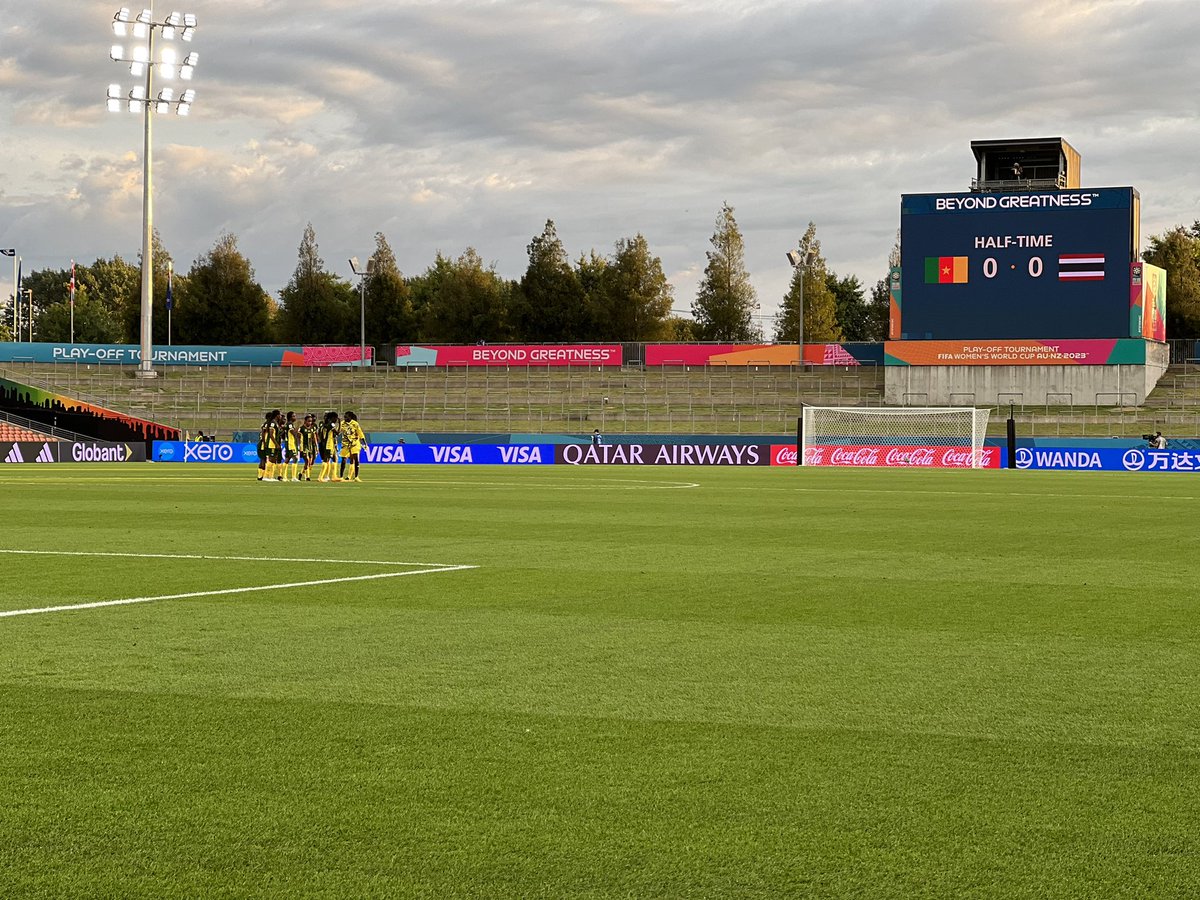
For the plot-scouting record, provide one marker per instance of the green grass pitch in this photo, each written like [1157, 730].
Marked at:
[655, 683]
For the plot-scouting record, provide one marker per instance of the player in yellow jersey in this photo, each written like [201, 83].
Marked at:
[353, 439]
[268, 436]
[288, 444]
[308, 444]
[327, 445]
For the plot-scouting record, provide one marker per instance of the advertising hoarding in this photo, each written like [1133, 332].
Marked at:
[1051, 264]
[1148, 301]
[909, 456]
[70, 451]
[131, 354]
[1115, 351]
[413, 355]
[844, 354]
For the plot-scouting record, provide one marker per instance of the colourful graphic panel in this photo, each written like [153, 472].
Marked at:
[847, 354]
[510, 355]
[50, 408]
[1111, 352]
[1148, 301]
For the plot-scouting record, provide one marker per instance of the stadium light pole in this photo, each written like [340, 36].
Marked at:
[143, 61]
[362, 274]
[800, 262]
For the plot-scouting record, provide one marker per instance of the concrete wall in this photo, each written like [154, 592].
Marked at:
[1028, 385]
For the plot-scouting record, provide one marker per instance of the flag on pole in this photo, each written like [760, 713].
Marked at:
[19, 278]
[170, 296]
[8, 252]
[72, 282]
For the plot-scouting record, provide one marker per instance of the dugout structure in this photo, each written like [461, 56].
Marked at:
[906, 437]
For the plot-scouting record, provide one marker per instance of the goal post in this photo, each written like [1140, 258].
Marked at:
[909, 436]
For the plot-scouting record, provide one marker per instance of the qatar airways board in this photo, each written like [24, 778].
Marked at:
[1020, 265]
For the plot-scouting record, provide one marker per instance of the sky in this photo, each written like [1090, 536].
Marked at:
[446, 125]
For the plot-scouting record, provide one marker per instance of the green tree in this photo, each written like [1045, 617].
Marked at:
[316, 305]
[551, 304]
[591, 270]
[94, 322]
[390, 317]
[880, 305]
[116, 285]
[221, 303]
[820, 304]
[679, 330]
[463, 301]
[130, 312]
[1178, 251]
[850, 306]
[726, 302]
[635, 301]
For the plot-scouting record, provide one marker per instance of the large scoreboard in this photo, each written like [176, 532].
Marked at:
[1031, 265]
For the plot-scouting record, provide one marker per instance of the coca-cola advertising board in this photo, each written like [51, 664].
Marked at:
[911, 457]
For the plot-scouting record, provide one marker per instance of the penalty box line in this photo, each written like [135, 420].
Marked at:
[128, 601]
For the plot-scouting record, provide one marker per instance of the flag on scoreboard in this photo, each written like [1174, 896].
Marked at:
[945, 270]
[1081, 267]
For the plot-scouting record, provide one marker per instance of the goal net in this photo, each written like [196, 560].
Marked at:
[921, 437]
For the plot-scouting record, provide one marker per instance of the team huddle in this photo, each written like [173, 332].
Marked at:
[285, 447]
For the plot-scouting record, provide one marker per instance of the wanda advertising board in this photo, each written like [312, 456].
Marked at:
[877, 457]
[1027, 265]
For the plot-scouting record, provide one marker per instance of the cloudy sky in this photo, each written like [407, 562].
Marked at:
[448, 124]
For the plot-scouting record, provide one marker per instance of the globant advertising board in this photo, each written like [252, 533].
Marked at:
[412, 355]
[70, 451]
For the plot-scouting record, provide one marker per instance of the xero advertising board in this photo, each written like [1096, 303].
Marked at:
[1037, 265]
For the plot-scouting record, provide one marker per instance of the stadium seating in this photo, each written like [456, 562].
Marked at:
[755, 399]
[10, 432]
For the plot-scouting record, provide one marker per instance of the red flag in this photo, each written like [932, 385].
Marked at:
[72, 282]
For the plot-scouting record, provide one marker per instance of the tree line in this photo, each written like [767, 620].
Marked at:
[616, 297]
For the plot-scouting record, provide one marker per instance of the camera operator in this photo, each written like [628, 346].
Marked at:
[1155, 441]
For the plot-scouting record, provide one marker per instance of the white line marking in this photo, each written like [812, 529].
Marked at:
[274, 559]
[242, 590]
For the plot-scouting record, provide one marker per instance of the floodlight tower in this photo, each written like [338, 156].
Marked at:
[362, 273]
[801, 261]
[143, 60]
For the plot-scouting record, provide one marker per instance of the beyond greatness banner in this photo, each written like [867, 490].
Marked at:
[180, 355]
[413, 355]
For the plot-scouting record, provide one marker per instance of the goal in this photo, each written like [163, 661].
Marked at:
[922, 437]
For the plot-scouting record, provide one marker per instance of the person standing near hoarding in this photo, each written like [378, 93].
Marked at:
[267, 435]
[597, 439]
[327, 444]
[308, 444]
[353, 439]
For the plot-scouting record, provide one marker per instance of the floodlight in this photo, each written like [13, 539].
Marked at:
[167, 94]
[145, 17]
[117, 53]
[189, 66]
[162, 107]
[114, 90]
[114, 104]
[794, 257]
[137, 69]
[187, 96]
[120, 29]
[183, 108]
[135, 106]
[141, 53]
[138, 92]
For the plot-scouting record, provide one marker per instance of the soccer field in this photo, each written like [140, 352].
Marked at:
[598, 682]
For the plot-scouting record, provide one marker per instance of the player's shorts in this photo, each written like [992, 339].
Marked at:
[289, 454]
[276, 455]
[263, 455]
[328, 454]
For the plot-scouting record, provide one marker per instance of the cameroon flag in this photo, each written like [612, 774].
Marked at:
[945, 270]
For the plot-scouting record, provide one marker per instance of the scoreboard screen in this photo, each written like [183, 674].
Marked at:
[1052, 264]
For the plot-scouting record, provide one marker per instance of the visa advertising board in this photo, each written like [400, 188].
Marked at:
[1017, 265]
[413, 355]
[131, 354]
[373, 454]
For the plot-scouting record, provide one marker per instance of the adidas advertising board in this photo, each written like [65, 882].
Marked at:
[69, 451]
